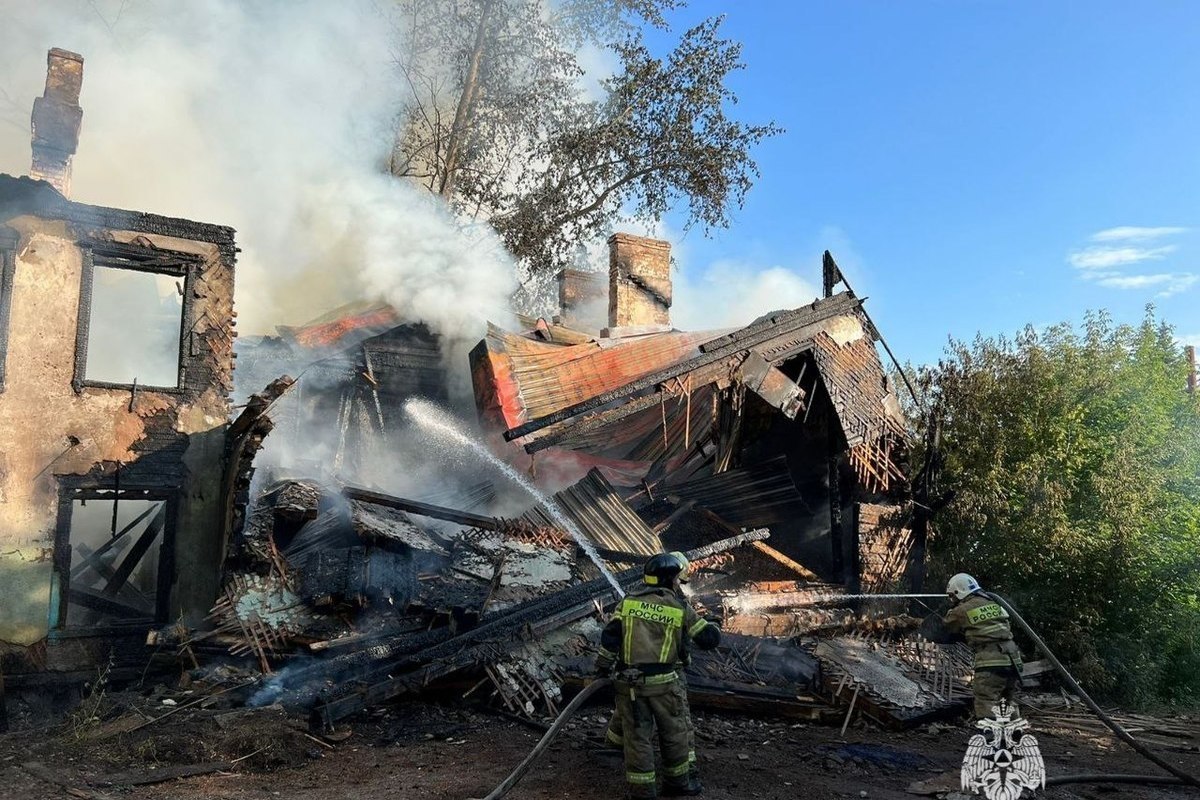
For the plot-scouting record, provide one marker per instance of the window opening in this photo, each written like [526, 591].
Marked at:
[116, 545]
[134, 327]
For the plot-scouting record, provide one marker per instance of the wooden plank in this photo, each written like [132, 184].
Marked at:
[758, 701]
[795, 566]
[422, 509]
[108, 605]
[79, 569]
[567, 430]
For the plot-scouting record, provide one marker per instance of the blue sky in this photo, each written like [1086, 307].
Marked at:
[967, 162]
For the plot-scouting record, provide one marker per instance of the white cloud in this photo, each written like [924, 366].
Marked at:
[1128, 245]
[1134, 233]
[1109, 257]
[1134, 281]
[1193, 340]
[1171, 282]
[598, 64]
[1179, 283]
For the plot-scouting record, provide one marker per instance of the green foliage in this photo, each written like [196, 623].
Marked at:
[503, 121]
[1076, 460]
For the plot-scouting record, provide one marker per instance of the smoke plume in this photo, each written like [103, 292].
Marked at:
[274, 117]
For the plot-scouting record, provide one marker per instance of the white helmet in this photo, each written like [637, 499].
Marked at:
[961, 586]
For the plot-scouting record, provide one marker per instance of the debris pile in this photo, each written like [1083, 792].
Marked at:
[773, 456]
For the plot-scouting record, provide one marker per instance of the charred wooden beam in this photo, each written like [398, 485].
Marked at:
[243, 440]
[94, 558]
[830, 274]
[422, 509]
[620, 556]
[772, 385]
[534, 618]
[137, 551]
[792, 564]
[595, 421]
[107, 605]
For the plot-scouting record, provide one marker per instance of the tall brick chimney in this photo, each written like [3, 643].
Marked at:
[57, 118]
[639, 284]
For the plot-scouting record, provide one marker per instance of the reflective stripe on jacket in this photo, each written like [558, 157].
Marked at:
[649, 629]
[986, 627]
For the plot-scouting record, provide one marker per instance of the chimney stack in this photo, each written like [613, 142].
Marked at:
[580, 299]
[56, 120]
[639, 285]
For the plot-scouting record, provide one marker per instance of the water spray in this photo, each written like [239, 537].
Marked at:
[441, 425]
[826, 598]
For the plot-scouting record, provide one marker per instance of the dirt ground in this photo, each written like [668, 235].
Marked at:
[419, 750]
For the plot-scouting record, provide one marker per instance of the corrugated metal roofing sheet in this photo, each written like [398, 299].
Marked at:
[601, 515]
[533, 379]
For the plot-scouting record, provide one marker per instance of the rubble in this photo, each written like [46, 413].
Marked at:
[347, 596]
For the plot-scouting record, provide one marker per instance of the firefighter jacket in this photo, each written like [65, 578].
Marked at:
[650, 631]
[987, 630]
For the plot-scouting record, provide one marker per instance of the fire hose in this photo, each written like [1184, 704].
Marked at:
[1179, 776]
[548, 737]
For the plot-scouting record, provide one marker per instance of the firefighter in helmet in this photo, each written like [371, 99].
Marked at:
[642, 646]
[985, 625]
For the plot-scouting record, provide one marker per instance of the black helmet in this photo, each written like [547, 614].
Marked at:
[664, 568]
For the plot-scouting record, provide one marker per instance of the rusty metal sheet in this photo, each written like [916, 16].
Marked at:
[519, 379]
[601, 515]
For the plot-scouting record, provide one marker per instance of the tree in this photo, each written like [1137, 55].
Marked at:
[502, 128]
[1076, 460]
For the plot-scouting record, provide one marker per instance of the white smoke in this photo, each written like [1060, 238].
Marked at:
[730, 293]
[274, 117]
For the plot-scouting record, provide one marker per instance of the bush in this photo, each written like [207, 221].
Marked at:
[1076, 460]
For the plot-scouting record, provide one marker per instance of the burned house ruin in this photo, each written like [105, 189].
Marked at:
[116, 362]
[774, 454]
[788, 423]
[135, 511]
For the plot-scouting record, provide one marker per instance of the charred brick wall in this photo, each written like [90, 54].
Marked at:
[61, 433]
[582, 298]
[883, 547]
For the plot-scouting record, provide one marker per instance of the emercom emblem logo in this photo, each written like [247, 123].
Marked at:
[1004, 760]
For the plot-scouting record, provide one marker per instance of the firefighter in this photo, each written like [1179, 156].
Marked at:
[614, 734]
[986, 628]
[645, 642]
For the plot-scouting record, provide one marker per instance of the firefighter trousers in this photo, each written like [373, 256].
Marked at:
[993, 684]
[614, 735]
[647, 710]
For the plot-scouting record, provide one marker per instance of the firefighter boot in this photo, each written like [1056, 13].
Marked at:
[684, 786]
[643, 791]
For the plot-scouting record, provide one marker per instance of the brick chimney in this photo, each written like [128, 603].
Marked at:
[639, 284]
[581, 298]
[56, 120]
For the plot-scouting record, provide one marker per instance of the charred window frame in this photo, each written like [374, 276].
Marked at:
[8, 269]
[138, 258]
[70, 567]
